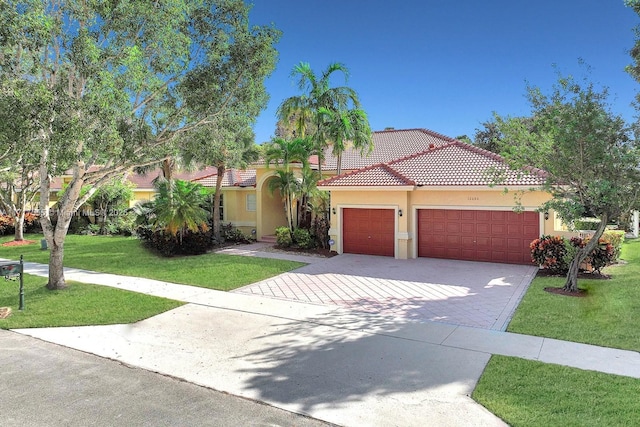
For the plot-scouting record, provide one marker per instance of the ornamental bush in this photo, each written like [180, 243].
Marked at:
[555, 253]
[31, 223]
[550, 252]
[6, 225]
[601, 256]
[230, 233]
[283, 237]
[615, 238]
[303, 238]
[167, 244]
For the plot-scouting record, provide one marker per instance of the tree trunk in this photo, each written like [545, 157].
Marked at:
[56, 267]
[55, 236]
[571, 284]
[216, 204]
[19, 226]
[168, 164]
[19, 216]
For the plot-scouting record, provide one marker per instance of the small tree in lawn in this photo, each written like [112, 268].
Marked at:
[229, 144]
[593, 165]
[107, 202]
[122, 82]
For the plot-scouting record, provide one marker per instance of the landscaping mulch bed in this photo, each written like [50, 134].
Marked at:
[18, 243]
[581, 275]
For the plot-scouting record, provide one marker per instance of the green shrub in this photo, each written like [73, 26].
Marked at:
[230, 233]
[283, 237]
[167, 244]
[615, 238]
[303, 238]
[586, 224]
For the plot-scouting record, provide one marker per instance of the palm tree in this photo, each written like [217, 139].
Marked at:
[288, 185]
[306, 190]
[342, 126]
[179, 206]
[318, 94]
[286, 151]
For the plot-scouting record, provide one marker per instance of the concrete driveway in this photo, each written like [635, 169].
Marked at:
[477, 294]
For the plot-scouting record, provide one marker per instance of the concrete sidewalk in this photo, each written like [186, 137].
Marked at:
[332, 363]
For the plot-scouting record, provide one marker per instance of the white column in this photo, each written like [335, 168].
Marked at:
[636, 218]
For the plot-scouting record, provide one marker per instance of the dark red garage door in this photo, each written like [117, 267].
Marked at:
[368, 231]
[494, 236]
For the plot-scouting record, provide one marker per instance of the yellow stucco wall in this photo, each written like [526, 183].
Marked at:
[235, 209]
[410, 201]
[140, 196]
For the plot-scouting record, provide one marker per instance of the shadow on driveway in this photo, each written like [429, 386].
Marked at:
[460, 292]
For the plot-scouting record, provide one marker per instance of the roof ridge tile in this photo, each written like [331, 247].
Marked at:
[398, 175]
[353, 172]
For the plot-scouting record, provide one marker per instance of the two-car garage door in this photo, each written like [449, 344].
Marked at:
[474, 235]
[477, 235]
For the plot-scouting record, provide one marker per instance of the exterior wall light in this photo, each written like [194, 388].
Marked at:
[546, 215]
[399, 212]
[333, 210]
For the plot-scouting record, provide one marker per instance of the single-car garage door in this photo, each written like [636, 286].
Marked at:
[368, 231]
[494, 236]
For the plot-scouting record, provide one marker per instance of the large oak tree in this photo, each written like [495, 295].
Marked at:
[121, 81]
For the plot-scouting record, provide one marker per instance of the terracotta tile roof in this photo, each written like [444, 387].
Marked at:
[206, 177]
[453, 164]
[375, 175]
[388, 145]
[232, 178]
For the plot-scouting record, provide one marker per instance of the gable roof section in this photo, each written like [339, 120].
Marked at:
[380, 175]
[387, 146]
[452, 164]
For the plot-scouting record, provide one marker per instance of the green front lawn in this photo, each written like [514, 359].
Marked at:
[126, 256]
[607, 316]
[529, 393]
[79, 304]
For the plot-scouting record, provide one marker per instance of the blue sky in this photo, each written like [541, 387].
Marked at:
[448, 65]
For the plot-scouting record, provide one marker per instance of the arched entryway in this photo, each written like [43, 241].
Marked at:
[271, 213]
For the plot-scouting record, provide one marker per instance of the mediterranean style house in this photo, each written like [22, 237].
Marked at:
[417, 194]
